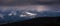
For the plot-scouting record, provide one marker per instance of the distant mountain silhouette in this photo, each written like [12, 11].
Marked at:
[15, 18]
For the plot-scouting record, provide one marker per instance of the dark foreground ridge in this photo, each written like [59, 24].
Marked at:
[41, 21]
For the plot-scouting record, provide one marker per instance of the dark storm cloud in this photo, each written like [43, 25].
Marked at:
[24, 2]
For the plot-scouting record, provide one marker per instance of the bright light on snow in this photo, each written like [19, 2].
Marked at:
[28, 14]
[12, 13]
[1, 16]
[22, 15]
[31, 14]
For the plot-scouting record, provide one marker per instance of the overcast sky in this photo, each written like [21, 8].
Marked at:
[22, 2]
[28, 4]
